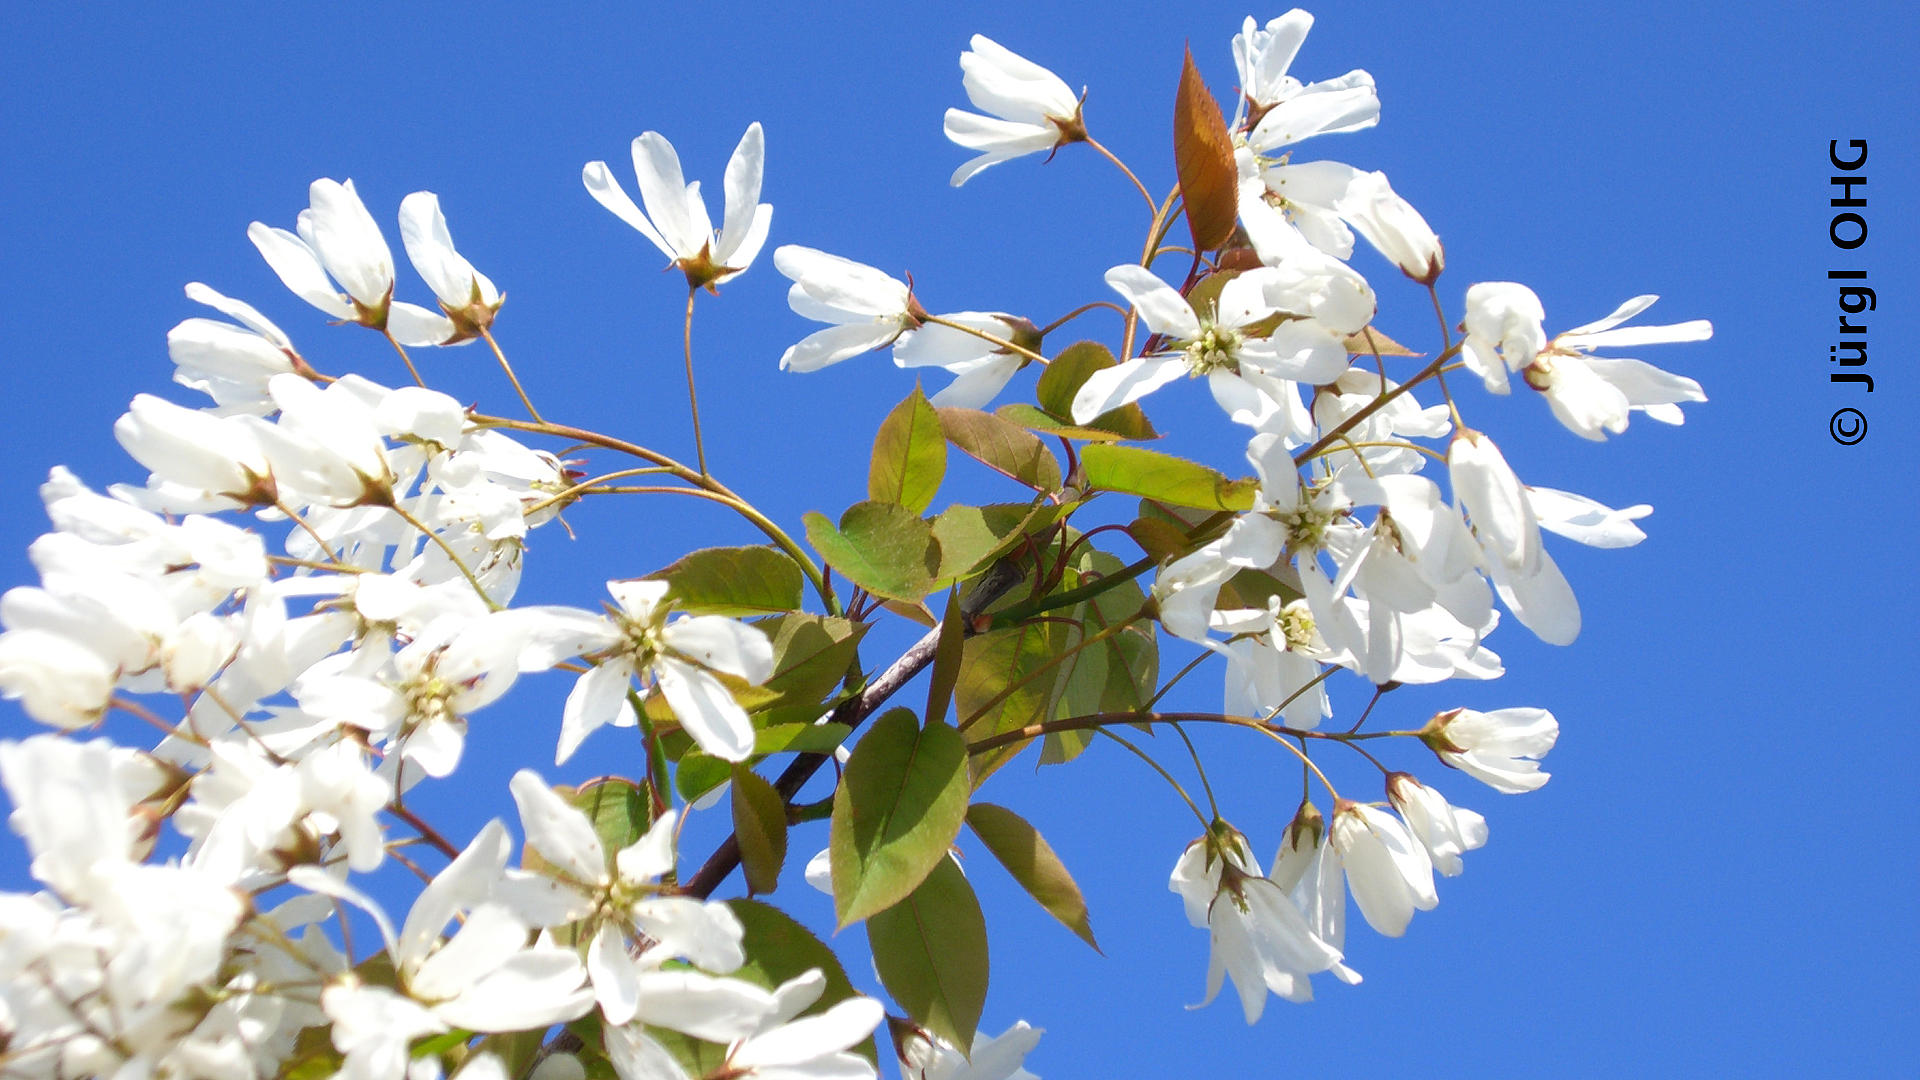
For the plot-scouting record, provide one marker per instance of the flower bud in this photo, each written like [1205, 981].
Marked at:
[1500, 748]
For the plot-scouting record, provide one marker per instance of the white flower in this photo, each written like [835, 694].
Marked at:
[1306, 196]
[1279, 110]
[231, 364]
[1504, 331]
[1594, 395]
[623, 896]
[868, 309]
[1393, 227]
[466, 295]
[812, 1047]
[73, 808]
[676, 216]
[55, 679]
[925, 1056]
[1258, 936]
[1445, 830]
[373, 1027]
[338, 241]
[1188, 587]
[325, 445]
[1390, 873]
[1580, 519]
[1219, 344]
[981, 367]
[1501, 748]
[213, 457]
[1494, 500]
[1032, 109]
[1309, 868]
[487, 976]
[680, 658]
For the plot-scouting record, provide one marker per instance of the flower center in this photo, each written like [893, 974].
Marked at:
[1295, 625]
[1215, 350]
[1307, 527]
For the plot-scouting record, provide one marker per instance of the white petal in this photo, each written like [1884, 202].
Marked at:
[707, 933]
[1124, 384]
[414, 326]
[490, 936]
[349, 242]
[651, 856]
[1542, 601]
[705, 710]
[836, 1029]
[598, 698]
[842, 283]
[616, 979]
[743, 195]
[836, 343]
[1619, 315]
[977, 384]
[1003, 82]
[724, 645]
[703, 1006]
[465, 883]
[634, 1056]
[664, 192]
[1165, 311]
[750, 244]
[299, 269]
[558, 831]
[608, 193]
[535, 988]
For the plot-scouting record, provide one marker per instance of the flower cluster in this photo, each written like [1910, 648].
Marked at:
[312, 596]
[323, 681]
[1358, 560]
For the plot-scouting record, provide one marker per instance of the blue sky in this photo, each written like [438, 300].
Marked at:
[1720, 880]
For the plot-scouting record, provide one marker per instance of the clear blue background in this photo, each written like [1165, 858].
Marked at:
[1721, 878]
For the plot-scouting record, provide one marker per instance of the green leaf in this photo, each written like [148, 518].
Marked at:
[1159, 538]
[1034, 420]
[909, 455]
[760, 825]
[811, 654]
[699, 773]
[1065, 375]
[1203, 159]
[931, 952]
[1028, 674]
[1003, 446]
[898, 808]
[621, 811]
[1030, 859]
[885, 549]
[993, 663]
[1164, 477]
[733, 581]
[799, 739]
[1250, 588]
[314, 1057]
[972, 537]
[946, 659]
[1115, 674]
